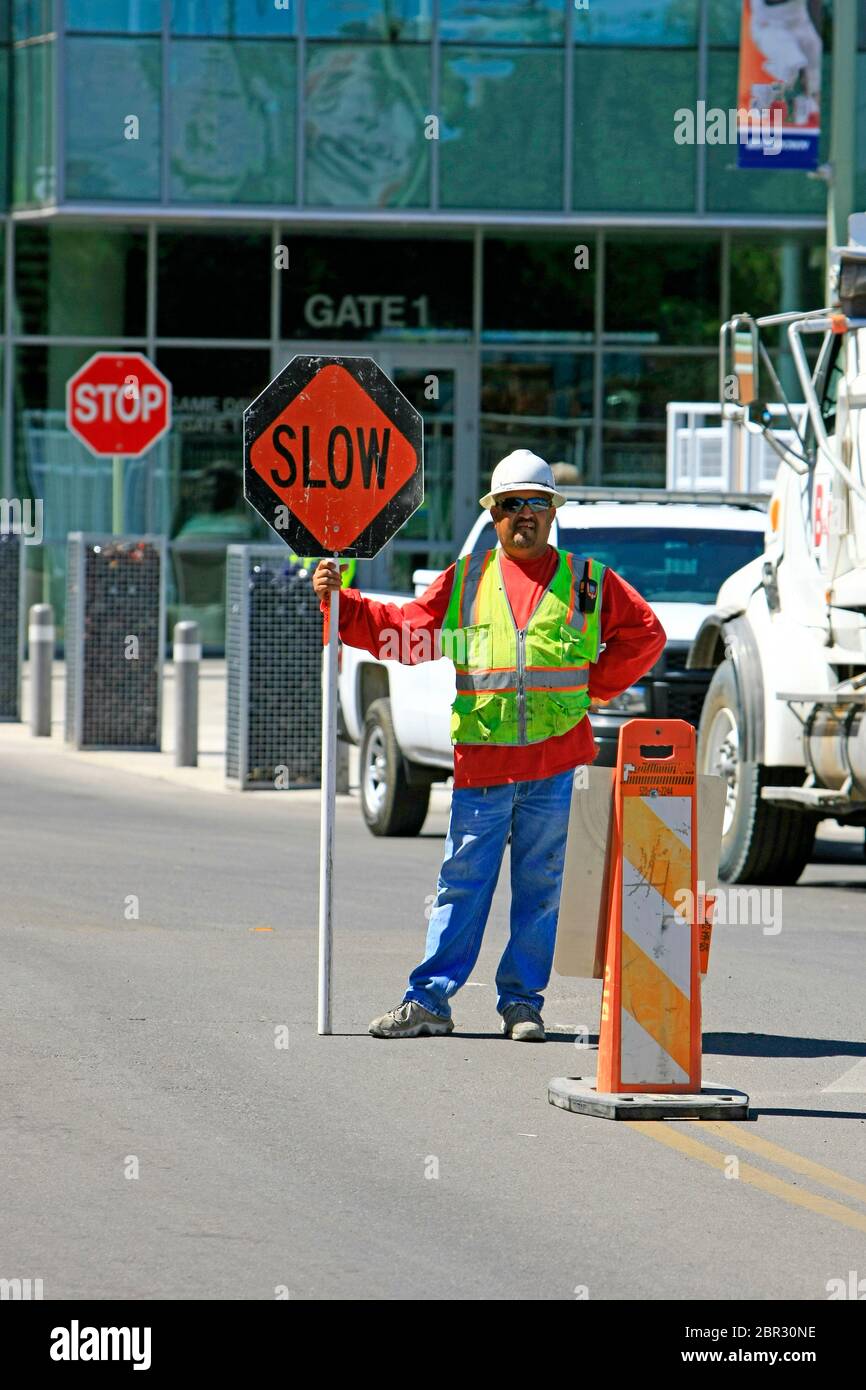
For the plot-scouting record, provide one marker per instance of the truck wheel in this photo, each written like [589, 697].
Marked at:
[761, 843]
[389, 804]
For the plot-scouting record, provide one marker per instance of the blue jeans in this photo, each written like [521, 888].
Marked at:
[535, 815]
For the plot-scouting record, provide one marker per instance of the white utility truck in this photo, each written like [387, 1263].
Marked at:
[675, 549]
[783, 719]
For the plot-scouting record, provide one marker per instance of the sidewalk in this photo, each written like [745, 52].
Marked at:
[210, 773]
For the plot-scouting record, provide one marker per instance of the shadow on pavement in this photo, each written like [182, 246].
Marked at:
[841, 883]
[461, 1035]
[755, 1112]
[773, 1045]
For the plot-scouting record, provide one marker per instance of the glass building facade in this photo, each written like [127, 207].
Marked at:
[486, 195]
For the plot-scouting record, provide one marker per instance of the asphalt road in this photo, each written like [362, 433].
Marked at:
[157, 1143]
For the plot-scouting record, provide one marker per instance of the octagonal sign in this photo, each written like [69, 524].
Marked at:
[333, 456]
[118, 403]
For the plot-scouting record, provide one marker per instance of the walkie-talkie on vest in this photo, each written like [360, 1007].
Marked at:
[587, 590]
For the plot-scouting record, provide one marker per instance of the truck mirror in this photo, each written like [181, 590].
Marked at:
[759, 413]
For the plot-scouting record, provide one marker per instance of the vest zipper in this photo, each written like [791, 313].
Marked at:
[521, 685]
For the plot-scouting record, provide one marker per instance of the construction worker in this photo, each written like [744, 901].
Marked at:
[535, 633]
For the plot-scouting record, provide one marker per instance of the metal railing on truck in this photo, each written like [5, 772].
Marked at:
[700, 457]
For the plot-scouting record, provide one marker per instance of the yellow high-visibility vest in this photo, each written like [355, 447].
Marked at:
[513, 686]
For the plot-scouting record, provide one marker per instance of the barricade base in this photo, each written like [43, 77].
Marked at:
[578, 1094]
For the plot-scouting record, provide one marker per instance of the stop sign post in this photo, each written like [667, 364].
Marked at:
[333, 462]
[118, 404]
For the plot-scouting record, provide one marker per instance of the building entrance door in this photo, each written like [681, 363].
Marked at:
[442, 384]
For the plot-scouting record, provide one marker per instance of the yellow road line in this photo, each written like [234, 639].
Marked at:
[776, 1154]
[753, 1177]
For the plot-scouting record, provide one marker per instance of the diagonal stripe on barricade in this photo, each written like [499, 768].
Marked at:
[655, 850]
[652, 998]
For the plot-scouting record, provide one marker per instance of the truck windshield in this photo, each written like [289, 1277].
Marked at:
[676, 566]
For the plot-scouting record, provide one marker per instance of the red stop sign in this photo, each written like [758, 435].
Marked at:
[118, 403]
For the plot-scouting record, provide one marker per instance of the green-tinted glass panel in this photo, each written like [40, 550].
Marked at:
[377, 287]
[662, 291]
[113, 118]
[366, 107]
[724, 23]
[551, 288]
[33, 176]
[211, 389]
[31, 18]
[213, 284]
[730, 189]
[502, 21]
[539, 401]
[639, 22]
[773, 274]
[76, 487]
[544, 388]
[500, 144]
[637, 388]
[369, 19]
[114, 16]
[434, 520]
[5, 115]
[234, 17]
[633, 94]
[860, 137]
[72, 280]
[232, 122]
[42, 439]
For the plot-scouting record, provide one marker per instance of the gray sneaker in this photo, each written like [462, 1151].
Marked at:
[523, 1024]
[410, 1020]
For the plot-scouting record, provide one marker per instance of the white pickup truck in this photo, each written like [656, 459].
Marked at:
[676, 549]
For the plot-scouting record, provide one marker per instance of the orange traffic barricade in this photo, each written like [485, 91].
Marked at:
[656, 942]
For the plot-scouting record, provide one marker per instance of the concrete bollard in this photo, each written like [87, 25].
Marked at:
[187, 655]
[40, 637]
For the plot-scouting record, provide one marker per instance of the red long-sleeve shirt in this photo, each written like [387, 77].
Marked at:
[630, 630]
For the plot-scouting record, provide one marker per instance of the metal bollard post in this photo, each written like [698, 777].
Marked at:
[40, 636]
[187, 655]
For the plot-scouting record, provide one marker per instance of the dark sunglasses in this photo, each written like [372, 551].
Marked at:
[512, 505]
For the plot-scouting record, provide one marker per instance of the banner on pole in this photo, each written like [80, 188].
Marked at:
[779, 90]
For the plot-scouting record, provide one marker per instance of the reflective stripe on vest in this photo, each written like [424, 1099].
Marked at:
[537, 678]
[474, 568]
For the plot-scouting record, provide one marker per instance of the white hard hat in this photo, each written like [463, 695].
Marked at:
[522, 469]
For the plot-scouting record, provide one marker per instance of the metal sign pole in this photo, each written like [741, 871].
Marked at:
[323, 400]
[328, 808]
[117, 495]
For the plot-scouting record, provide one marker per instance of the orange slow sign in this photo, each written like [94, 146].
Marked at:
[333, 456]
